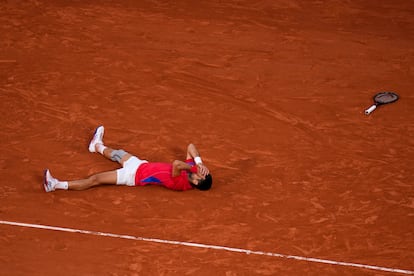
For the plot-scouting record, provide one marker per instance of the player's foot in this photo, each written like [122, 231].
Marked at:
[97, 138]
[49, 183]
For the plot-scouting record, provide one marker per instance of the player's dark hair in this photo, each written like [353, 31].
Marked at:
[204, 184]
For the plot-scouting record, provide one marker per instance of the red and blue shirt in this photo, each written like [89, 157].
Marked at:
[154, 173]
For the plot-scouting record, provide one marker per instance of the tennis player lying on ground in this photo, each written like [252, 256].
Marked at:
[177, 175]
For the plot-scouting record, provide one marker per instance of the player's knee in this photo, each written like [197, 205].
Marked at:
[94, 180]
[117, 155]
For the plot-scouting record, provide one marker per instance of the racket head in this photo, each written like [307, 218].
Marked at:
[385, 98]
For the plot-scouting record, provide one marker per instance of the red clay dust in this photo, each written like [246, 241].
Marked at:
[273, 95]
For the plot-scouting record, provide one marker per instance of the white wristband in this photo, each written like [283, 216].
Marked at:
[197, 160]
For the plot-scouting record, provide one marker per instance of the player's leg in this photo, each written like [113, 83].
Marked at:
[119, 155]
[50, 183]
[122, 176]
[94, 180]
[97, 145]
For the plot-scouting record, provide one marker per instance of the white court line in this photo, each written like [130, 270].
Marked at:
[200, 245]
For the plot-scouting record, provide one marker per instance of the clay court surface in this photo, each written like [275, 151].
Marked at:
[271, 92]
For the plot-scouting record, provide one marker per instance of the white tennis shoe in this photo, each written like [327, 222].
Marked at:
[49, 182]
[97, 138]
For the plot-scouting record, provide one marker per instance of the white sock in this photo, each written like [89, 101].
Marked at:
[62, 185]
[100, 148]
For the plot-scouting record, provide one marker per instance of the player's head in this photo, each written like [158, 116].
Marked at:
[200, 183]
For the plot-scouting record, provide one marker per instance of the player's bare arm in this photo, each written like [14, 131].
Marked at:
[178, 166]
[192, 153]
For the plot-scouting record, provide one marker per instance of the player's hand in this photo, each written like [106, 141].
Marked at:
[203, 170]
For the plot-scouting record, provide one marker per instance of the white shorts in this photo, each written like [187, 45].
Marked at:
[126, 175]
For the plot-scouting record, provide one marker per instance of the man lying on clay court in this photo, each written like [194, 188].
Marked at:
[177, 175]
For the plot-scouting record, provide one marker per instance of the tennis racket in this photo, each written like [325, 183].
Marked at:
[380, 99]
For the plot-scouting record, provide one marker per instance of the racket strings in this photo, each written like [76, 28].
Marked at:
[387, 97]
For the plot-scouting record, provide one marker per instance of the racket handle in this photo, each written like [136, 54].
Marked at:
[369, 110]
